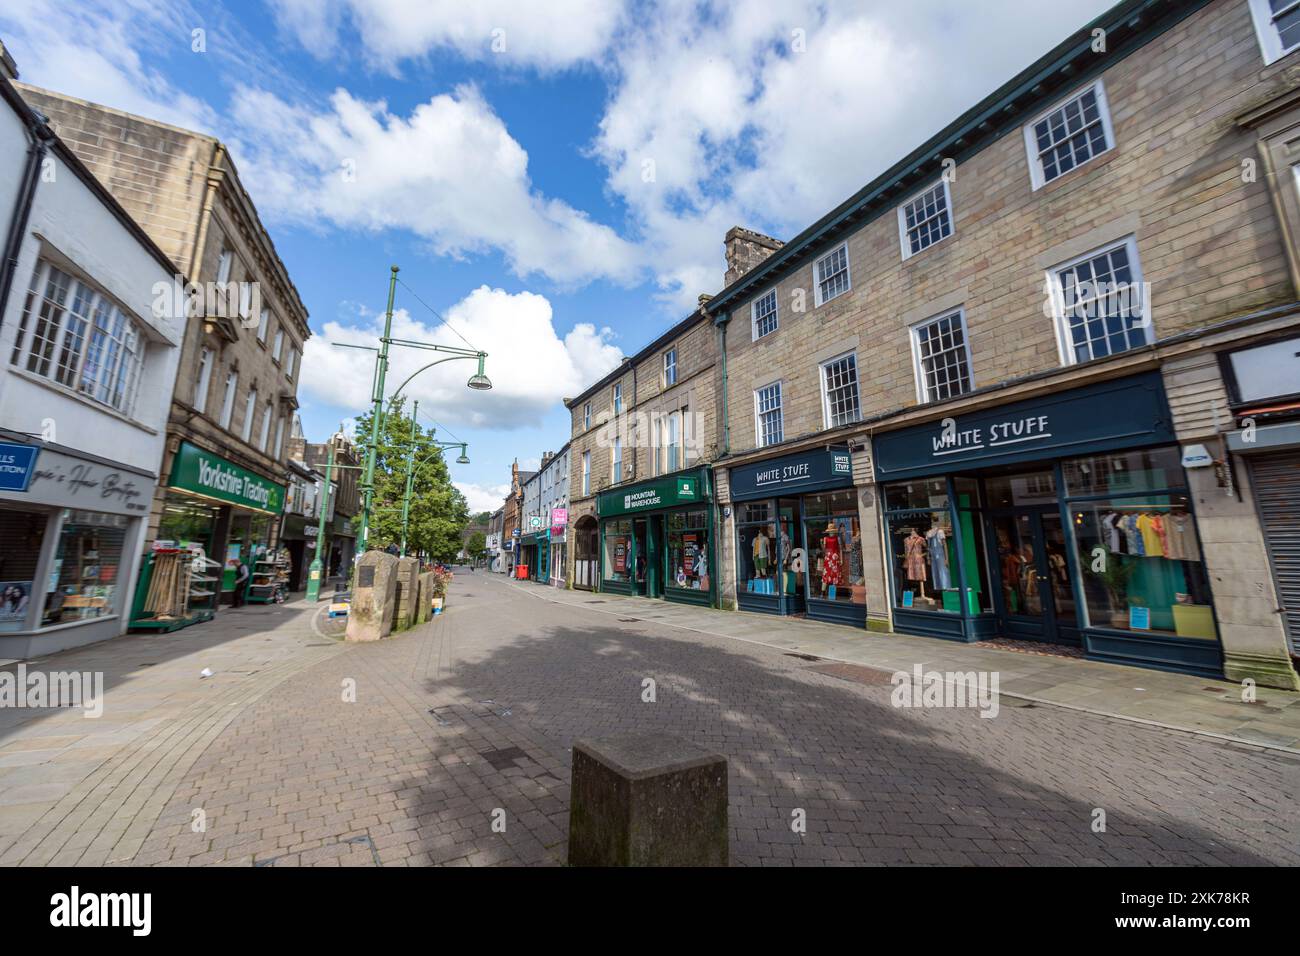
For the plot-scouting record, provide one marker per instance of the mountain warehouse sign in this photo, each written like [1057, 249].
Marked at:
[212, 476]
[666, 492]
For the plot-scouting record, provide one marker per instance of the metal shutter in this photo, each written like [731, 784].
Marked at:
[1277, 489]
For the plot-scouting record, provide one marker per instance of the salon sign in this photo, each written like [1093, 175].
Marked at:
[1106, 416]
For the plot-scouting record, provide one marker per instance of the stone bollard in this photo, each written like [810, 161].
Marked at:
[408, 574]
[374, 594]
[425, 592]
[647, 800]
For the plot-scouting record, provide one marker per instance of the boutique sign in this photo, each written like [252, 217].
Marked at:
[212, 476]
[819, 470]
[1126, 413]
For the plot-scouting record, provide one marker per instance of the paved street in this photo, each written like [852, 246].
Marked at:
[475, 713]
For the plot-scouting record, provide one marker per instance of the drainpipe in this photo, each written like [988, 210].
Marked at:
[722, 352]
[40, 135]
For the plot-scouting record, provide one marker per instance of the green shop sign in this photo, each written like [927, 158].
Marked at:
[212, 476]
[670, 491]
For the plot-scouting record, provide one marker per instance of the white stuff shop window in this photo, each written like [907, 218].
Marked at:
[1101, 304]
[762, 315]
[840, 391]
[831, 274]
[73, 334]
[1277, 22]
[768, 423]
[1068, 135]
[925, 219]
[942, 354]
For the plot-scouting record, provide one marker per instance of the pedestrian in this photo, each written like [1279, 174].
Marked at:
[241, 585]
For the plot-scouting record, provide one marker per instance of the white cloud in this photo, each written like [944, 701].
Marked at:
[550, 35]
[530, 365]
[483, 497]
[449, 172]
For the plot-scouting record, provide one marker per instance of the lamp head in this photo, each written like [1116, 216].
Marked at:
[479, 380]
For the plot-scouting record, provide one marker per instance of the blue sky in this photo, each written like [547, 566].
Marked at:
[554, 179]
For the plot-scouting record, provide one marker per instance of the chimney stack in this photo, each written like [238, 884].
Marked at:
[745, 250]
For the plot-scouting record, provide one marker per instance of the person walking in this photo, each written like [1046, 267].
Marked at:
[241, 585]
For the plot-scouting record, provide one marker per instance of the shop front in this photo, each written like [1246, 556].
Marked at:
[1064, 519]
[799, 538]
[557, 573]
[341, 547]
[536, 550]
[230, 511]
[71, 533]
[657, 539]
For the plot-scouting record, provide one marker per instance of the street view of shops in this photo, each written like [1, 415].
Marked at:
[635, 437]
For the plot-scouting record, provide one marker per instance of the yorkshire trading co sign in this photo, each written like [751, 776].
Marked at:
[1126, 413]
[212, 476]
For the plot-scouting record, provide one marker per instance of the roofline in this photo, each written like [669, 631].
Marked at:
[697, 315]
[1129, 26]
[37, 126]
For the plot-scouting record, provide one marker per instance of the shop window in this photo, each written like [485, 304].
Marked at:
[925, 219]
[187, 521]
[831, 273]
[769, 425]
[840, 391]
[1069, 135]
[1142, 567]
[833, 541]
[1277, 22]
[1154, 469]
[942, 353]
[1100, 304]
[87, 560]
[969, 537]
[921, 546]
[762, 315]
[79, 338]
[688, 540]
[1022, 490]
[619, 556]
[21, 536]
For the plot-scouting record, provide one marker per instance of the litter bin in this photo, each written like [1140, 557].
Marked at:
[521, 572]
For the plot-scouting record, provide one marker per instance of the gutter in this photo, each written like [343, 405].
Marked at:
[41, 136]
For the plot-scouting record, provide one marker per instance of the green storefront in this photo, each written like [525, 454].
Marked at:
[227, 509]
[657, 538]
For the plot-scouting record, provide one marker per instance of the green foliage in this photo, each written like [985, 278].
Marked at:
[476, 546]
[438, 513]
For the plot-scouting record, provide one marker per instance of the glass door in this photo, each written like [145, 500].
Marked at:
[1025, 603]
[640, 558]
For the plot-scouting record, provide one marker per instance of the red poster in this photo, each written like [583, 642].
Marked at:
[620, 555]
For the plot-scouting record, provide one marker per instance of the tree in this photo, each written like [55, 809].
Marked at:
[438, 512]
[483, 518]
[476, 547]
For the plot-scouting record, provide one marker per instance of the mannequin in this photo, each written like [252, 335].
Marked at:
[762, 554]
[832, 565]
[914, 558]
[936, 545]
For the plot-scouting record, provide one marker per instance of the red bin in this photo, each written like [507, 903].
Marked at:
[521, 572]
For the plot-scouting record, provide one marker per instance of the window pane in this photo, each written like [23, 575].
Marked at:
[920, 495]
[941, 351]
[1151, 469]
[1103, 307]
[86, 562]
[688, 564]
[1142, 567]
[841, 382]
[1070, 136]
[765, 320]
[927, 219]
[834, 545]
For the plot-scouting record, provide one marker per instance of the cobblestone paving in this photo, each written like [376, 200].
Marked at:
[475, 713]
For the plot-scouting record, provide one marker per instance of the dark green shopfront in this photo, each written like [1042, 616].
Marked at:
[657, 538]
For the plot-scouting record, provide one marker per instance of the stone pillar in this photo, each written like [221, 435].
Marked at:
[875, 574]
[406, 606]
[725, 547]
[647, 800]
[425, 592]
[374, 596]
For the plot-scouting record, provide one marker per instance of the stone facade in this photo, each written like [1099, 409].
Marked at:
[1187, 131]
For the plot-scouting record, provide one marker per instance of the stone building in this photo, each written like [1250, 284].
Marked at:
[512, 517]
[223, 471]
[1038, 379]
[641, 518]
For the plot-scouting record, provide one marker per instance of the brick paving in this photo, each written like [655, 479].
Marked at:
[470, 719]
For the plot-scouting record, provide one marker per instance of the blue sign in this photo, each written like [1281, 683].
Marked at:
[1107, 416]
[819, 470]
[1139, 618]
[17, 462]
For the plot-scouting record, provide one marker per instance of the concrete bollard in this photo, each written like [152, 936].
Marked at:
[647, 800]
[374, 594]
[425, 592]
[408, 574]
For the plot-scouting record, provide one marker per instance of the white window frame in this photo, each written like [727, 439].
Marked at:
[1270, 38]
[616, 460]
[1037, 176]
[914, 335]
[780, 408]
[279, 437]
[224, 265]
[670, 368]
[659, 444]
[754, 316]
[904, 240]
[586, 472]
[826, 398]
[262, 324]
[848, 275]
[228, 400]
[264, 433]
[586, 417]
[278, 347]
[250, 409]
[291, 362]
[207, 357]
[672, 449]
[618, 398]
[1065, 348]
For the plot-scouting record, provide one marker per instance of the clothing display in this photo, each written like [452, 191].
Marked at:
[936, 545]
[832, 567]
[1180, 538]
[762, 554]
[1150, 534]
[914, 557]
